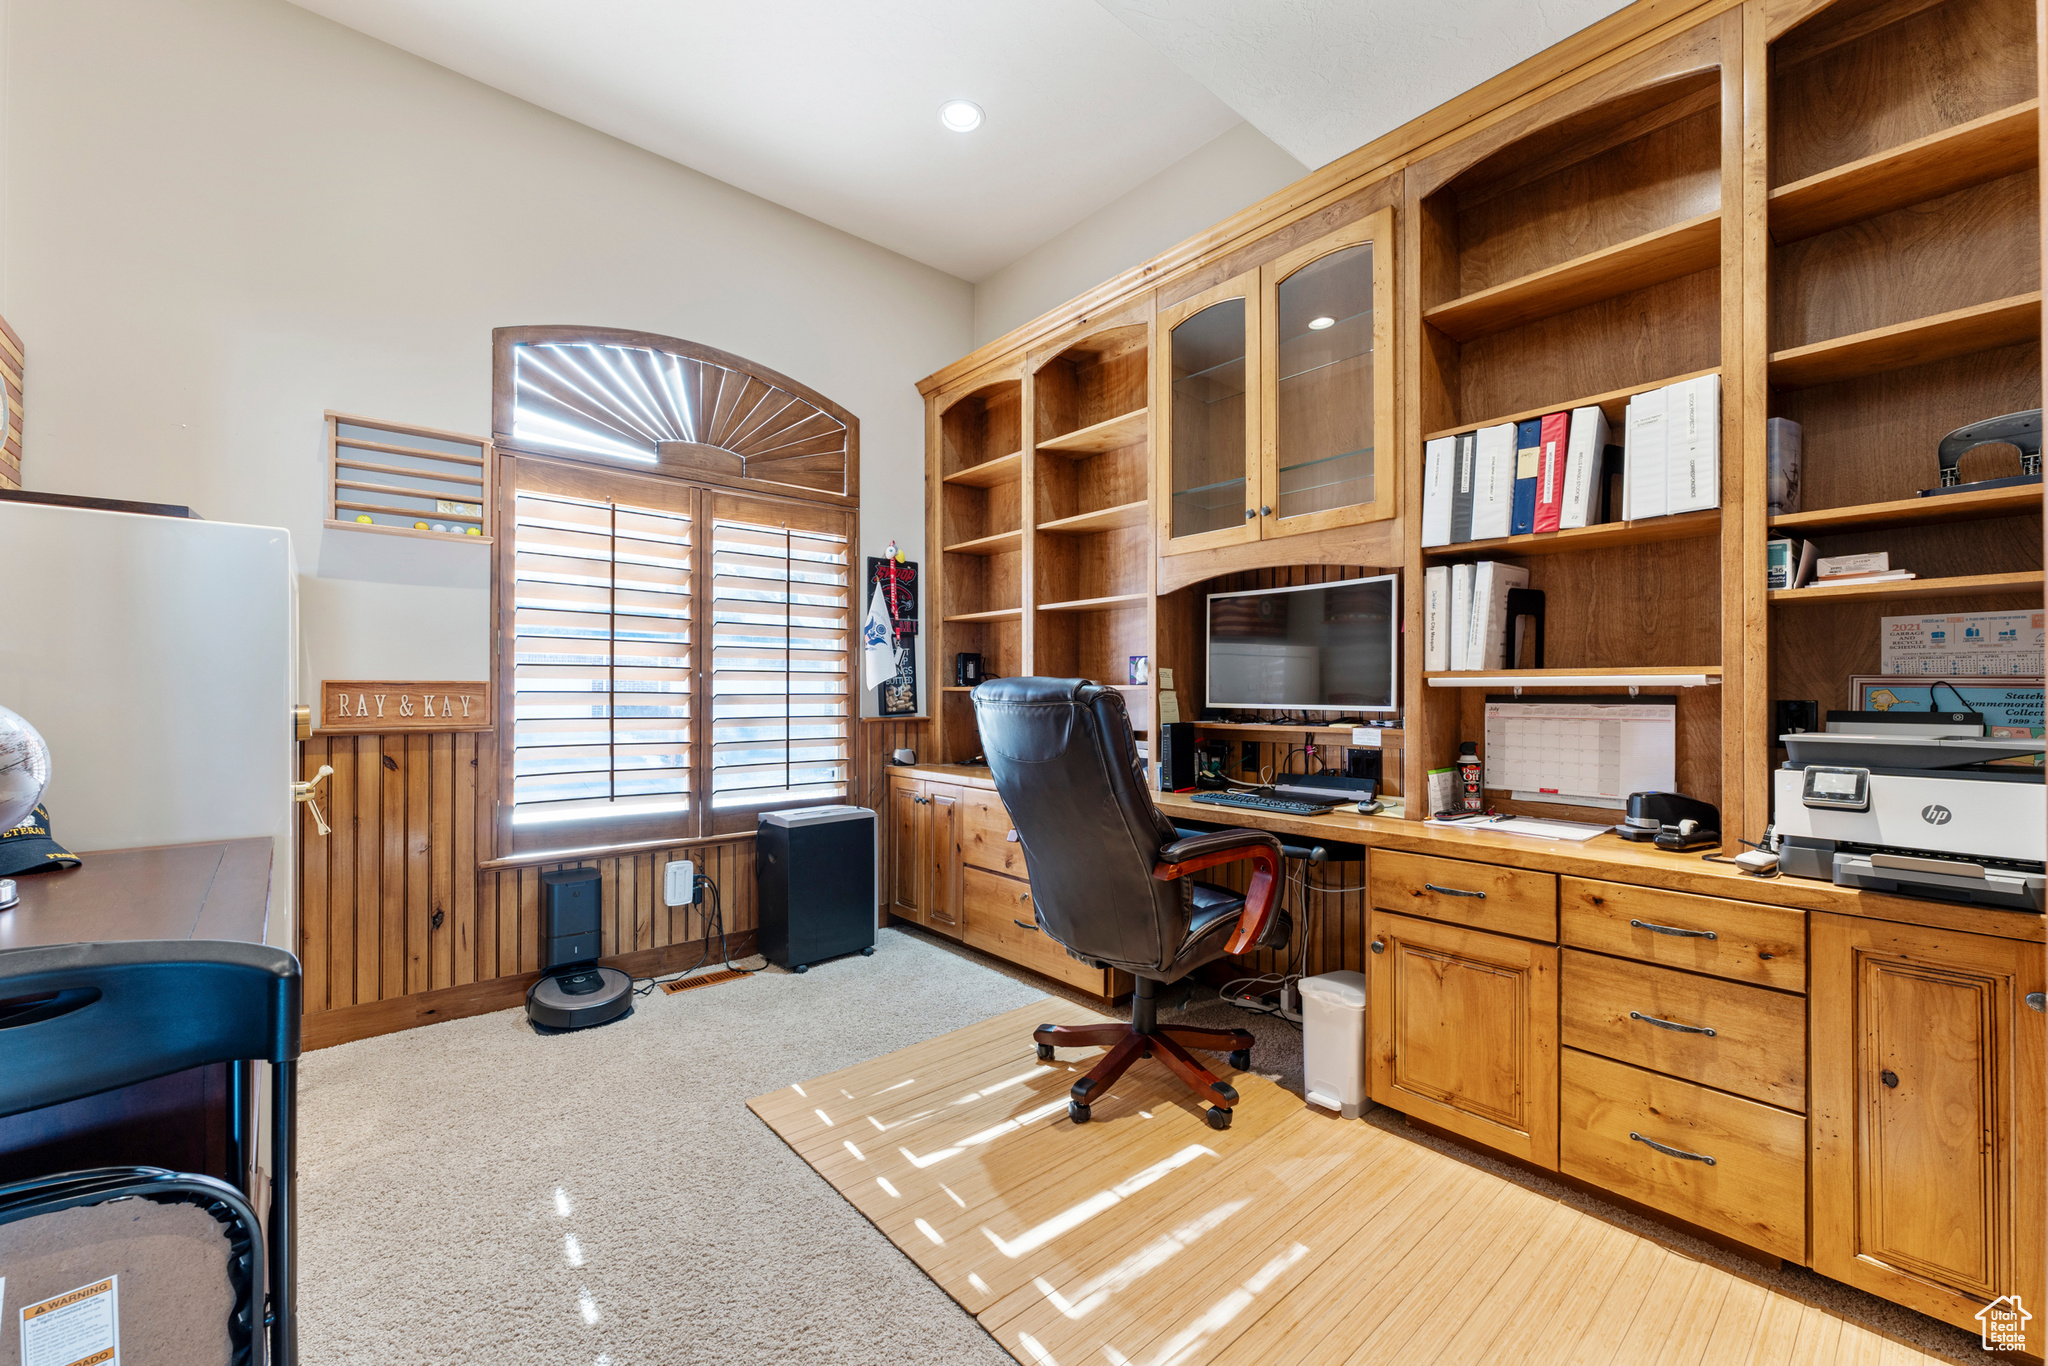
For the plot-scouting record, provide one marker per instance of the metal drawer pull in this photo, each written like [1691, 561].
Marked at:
[1670, 1152]
[1450, 891]
[1671, 1024]
[1667, 929]
[2037, 1000]
[1021, 925]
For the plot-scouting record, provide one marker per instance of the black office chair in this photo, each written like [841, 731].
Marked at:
[1110, 875]
[80, 1019]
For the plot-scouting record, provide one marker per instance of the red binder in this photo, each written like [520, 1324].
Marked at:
[1557, 429]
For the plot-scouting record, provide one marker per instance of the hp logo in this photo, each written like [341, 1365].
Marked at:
[1936, 814]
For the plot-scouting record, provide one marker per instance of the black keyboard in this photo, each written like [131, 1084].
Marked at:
[1251, 801]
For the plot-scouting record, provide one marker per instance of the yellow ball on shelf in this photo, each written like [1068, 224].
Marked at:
[364, 517]
[473, 531]
[419, 526]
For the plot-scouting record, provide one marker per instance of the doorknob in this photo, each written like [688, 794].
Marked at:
[308, 793]
[1250, 513]
[1265, 511]
[2037, 1000]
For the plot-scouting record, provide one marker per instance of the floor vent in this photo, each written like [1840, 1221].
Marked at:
[709, 979]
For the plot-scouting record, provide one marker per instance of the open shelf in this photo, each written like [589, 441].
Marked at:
[1949, 507]
[1123, 430]
[1960, 332]
[1000, 543]
[1654, 257]
[1966, 585]
[999, 614]
[1094, 604]
[1678, 527]
[1926, 168]
[1616, 399]
[1004, 469]
[1682, 676]
[1102, 519]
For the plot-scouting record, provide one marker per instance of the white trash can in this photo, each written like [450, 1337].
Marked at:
[1333, 1041]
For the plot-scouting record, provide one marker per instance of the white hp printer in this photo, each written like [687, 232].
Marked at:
[1916, 804]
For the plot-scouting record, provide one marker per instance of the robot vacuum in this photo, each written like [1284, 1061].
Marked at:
[579, 996]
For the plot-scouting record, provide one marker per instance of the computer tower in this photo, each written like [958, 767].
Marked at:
[1176, 756]
[815, 867]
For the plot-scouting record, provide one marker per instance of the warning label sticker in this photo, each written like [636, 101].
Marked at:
[81, 1327]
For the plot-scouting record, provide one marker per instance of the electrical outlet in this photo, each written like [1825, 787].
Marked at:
[679, 884]
[1248, 755]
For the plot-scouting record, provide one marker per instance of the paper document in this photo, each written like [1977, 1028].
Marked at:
[1585, 752]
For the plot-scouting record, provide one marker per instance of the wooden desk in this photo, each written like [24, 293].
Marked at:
[217, 890]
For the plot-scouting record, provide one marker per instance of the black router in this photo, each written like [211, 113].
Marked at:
[574, 992]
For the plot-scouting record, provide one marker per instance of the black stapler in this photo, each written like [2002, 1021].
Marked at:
[1670, 820]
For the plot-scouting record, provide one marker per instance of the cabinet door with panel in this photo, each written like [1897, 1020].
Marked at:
[906, 854]
[1928, 1056]
[1462, 1032]
[1326, 381]
[942, 858]
[1206, 419]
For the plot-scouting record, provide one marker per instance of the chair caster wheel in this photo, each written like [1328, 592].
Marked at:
[1241, 1060]
[1077, 1112]
[1045, 1052]
[1219, 1118]
[868, 952]
[800, 967]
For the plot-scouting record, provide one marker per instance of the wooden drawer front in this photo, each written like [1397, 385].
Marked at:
[985, 832]
[998, 912]
[1627, 1011]
[1485, 896]
[1753, 1191]
[1750, 943]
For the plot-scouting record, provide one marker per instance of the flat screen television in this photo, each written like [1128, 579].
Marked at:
[1331, 647]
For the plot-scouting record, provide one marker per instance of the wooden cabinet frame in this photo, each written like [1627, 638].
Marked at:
[1246, 287]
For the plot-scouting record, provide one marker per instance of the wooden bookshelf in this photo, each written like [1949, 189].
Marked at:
[1958, 332]
[1003, 469]
[2014, 501]
[1650, 259]
[1574, 678]
[1681, 526]
[1898, 590]
[1107, 435]
[1998, 144]
[993, 614]
[1613, 401]
[1122, 516]
[1003, 542]
[1113, 602]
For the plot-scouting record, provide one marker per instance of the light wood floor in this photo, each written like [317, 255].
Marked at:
[1146, 1237]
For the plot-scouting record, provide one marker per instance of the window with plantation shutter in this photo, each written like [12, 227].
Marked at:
[602, 673]
[779, 614]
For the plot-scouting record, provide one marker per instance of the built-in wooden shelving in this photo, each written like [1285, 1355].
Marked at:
[1001, 543]
[1102, 519]
[1652, 258]
[1123, 430]
[1926, 168]
[1959, 332]
[1671, 676]
[1115, 600]
[1614, 401]
[1003, 469]
[998, 614]
[1337, 734]
[1959, 586]
[1948, 507]
[1678, 527]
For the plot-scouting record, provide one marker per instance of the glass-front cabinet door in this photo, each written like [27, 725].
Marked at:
[1327, 379]
[1207, 419]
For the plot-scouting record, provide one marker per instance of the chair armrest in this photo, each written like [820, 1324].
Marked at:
[1217, 847]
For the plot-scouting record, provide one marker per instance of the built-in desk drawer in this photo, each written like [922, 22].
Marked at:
[999, 920]
[987, 839]
[1737, 939]
[1727, 1164]
[1738, 1038]
[1484, 896]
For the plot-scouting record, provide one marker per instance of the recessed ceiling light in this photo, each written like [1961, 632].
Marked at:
[962, 116]
[1318, 324]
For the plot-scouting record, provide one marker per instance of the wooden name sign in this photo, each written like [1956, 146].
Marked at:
[358, 708]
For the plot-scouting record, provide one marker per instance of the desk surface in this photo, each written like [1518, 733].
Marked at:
[218, 890]
[1608, 857]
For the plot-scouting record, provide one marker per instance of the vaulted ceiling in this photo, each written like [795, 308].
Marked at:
[831, 108]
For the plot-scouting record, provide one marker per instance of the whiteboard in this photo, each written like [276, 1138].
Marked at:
[1582, 751]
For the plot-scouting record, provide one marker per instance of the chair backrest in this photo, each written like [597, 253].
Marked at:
[1061, 753]
[79, 1019]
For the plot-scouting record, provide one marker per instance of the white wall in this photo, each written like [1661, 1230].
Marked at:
[1207, 185]
[221, 217]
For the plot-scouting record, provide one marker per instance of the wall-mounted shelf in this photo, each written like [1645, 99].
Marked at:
[1617, 398]
[1118, 600]
[1004, 469]
[1679, 527]
[1125, 429]
[1000, 543]
[1960, 332]
[1965, 585]
[1340, 734]
[1102, 519]
[1926, 168]
[1650, 259]
[1697, 676]
[1947, 507]
[999, 614]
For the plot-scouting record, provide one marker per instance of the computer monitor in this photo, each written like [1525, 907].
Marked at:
[1330, 647]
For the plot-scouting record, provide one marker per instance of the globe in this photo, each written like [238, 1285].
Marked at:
[24, 769]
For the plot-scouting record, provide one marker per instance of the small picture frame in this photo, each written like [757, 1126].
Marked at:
[1140, 671]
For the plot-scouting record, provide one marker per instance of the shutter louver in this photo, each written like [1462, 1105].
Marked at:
[779, 664]
[602, 668]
